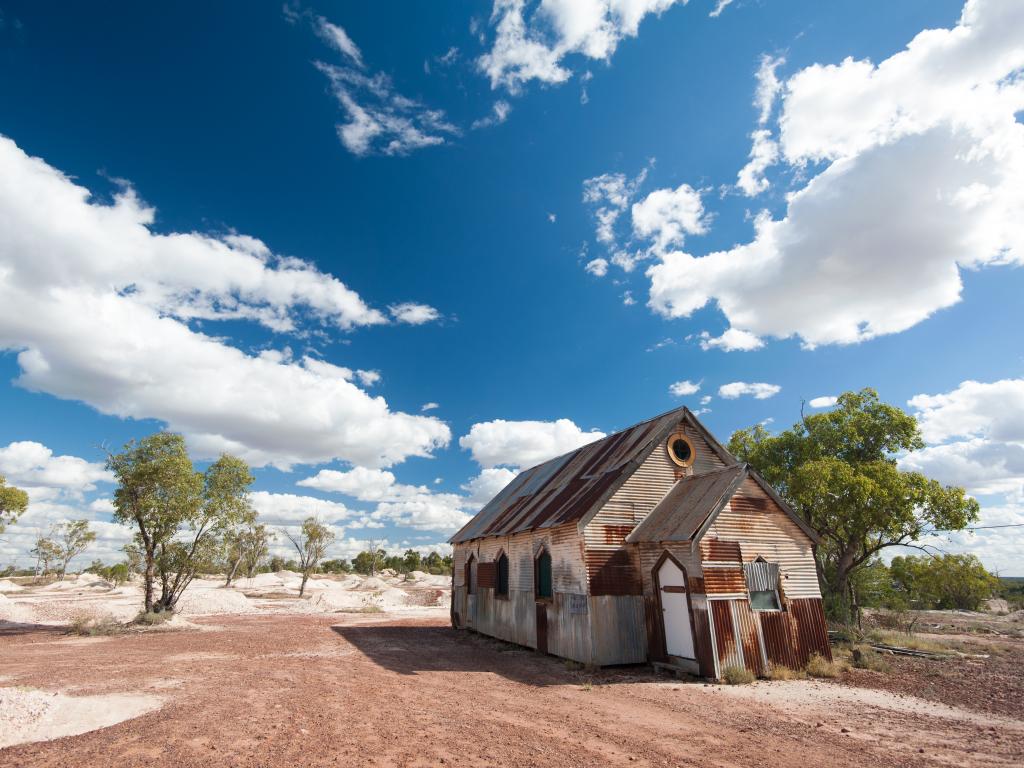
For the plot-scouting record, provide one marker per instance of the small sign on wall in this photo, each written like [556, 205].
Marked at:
[577, 603]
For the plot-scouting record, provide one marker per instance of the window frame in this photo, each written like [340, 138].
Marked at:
[469, 581]
[543, 552]
[672, 454]
[498, 593]
[775, 590]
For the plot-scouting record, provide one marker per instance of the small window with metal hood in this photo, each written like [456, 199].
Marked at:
[502, 589]
[680, 450]
[542, 576]
[763, 584]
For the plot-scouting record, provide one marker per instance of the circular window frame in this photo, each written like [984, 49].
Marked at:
[672, 454]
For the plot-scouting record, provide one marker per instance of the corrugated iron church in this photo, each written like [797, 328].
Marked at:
[652, 544]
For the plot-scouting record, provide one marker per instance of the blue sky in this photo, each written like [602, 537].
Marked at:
[285, 230]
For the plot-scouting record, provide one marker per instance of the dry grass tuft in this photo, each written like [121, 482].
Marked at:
[737, 675]
[151, 619]
[819, 666]
[780, 672]
[914, 642]
[91, 626]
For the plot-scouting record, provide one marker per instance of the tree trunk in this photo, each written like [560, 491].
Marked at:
[149, 576]
[841, 588]
[231, 573]
[302, 587]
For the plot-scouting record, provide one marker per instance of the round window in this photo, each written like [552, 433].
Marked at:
[680, 450]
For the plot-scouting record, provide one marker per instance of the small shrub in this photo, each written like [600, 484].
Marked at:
[735, 675]
[91, 626]
[819, 666]
[152, 619]
[869, 658]
[573, 666]
[781, 672]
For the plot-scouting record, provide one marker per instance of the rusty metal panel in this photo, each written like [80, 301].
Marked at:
[614, 573]
[780, 639]
[618, 629]
[487, 575]
[745, 625]
[542, 628]
[724, 581]
[812, 631]
[713, 550]
[727, 649]
[702, 641]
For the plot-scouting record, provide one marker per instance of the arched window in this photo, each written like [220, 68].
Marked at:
[542, 575]
[502, 589]
[470, 581]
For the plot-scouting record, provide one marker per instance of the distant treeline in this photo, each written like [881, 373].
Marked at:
[932, 582]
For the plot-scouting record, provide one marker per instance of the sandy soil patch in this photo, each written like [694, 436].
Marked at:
[813, 696]
[29, 715]
[394, 690]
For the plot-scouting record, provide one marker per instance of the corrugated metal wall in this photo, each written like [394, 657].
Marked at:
[611, 570]
[754, 520]
[515, 619]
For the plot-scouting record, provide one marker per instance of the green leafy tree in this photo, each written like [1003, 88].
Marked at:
[13, 503]
[245, 546]
[47, 552]
[339, 565]
[74, 538]
[838, 471]
[413, 560]
[223, 505]
[179, 515]
[255, 547]
[946, 581]
[369, 561]
[311, 543]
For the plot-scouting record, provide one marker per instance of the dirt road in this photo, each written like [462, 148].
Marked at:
[374, 690]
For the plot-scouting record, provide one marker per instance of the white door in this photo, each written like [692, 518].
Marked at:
[675, 610]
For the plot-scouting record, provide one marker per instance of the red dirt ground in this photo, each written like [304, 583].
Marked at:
[289, 690]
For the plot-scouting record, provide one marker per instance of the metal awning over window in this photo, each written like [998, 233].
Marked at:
[761, 576]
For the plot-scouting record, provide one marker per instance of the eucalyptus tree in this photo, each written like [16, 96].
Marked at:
[839, 471]
[311, 543]
[74, 538]
[13, 503]
[179, 515]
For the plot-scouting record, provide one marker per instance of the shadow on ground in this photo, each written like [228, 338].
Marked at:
[416, 650]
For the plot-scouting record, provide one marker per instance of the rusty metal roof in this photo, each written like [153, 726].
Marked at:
[686, 507]
[566, 488]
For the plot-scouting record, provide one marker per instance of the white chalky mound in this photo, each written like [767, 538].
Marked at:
[207, 602]
[12, 612]
[9, 586]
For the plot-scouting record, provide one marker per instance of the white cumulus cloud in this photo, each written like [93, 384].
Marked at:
[523, 443]
[757, 390]
[683, 388]
[98, 308]
[826, 401]
[532, 39]
[922, 161]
